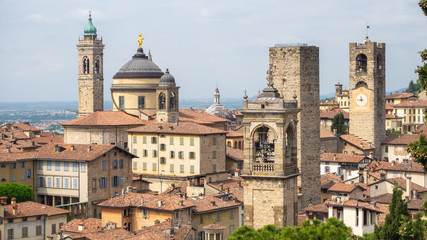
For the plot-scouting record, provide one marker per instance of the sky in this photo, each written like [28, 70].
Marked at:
[204, 43]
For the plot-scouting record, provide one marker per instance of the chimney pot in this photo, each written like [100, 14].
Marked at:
[159, 203]
[3, 200]
[213, 203]
[181, 203]
[13, 200]
[89, 148]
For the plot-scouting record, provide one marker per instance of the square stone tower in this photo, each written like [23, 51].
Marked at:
[270, 160]
[295, 70]
[91, 74]
[367, 92]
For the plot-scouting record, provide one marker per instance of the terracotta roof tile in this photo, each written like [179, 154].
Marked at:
[326, 134]
[180, 128]
[357, 142]
[421, 129]
[234, 153]
[399, 95]
[327, 180]
[87, 225]
[77, 152]
[105, 118]
[416, 103]
[402, 184]
[354, 204]
[51, 139]
[112, 234]
[392, 116]
[342, 187]
[214, 226]
[416, 204]
[316, 208]
[400, 139]
[25, 127]
[208, 203]
[405, 167]
[168, 202]
[162, 230]
[330, 114]
[389, 106]
[29, 209]
[189, 115]
[234, 185]
[328, 102]
[13, 157]
[341, 157]
[383, 198]
[234, 134]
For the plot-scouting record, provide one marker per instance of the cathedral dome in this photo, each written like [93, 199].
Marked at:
[218, 109]
[90, 30]
[139, 67]
[167, 79]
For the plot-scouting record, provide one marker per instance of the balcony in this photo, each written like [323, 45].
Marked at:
[264, 167]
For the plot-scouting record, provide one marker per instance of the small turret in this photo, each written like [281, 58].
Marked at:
[90, 30]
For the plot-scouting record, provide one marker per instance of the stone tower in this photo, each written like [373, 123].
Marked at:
[295, 70]
[91, 75]
[270, 159]
[338, 90]
[367, 92]
[167, 99]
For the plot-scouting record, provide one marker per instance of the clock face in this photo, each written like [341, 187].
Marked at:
[361, 99]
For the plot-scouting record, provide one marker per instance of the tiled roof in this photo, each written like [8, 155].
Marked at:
[389, 106]
[234, 185]
[143, 200]
[234, 153]
[105, 118]
[234, 134]
[180, 128]
[392, 116]
[354, 204]
[399, 95]
[421, 129]
[88, 225]
[77, 152]
[378, 165]
[162, 231]
[416, 103]
[45, 140]
[15, 134]
[208, 203]
[383, 198]
[342, 187]
[357, 142]
[13, 157]
[214, 226]
[316, 208]
[328, 102]
[189, 115]
[402, 184]
[400, 139]
[406, 167]
[112, 234]
[330, 114]
[327, 180]
[326, 134]
[416, 204]
[341, 157]
[29, 209]
[25, 127]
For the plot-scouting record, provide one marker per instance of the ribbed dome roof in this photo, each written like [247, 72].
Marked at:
[139, 67]
[220, 110]
[90, 30]
[167, 79]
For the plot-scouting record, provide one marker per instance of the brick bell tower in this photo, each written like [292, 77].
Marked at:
[91, 74]
[270, 159]
[367, 92]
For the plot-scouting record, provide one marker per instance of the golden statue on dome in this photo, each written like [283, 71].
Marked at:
[140, 40]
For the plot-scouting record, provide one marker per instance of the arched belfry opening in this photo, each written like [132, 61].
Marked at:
[380, 62]
[162, 101]
[86, 65]
[361, 84]
[361, 63]
[264, 142]
[96, 65]
[290, 141]
[172, 101]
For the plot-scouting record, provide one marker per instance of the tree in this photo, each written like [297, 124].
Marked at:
[21, 192]
[338, 124]
[418, 150]
[413, 87]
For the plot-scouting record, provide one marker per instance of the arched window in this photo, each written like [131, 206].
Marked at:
[264, 140]
[361, 84]
[289, 141]
[162, 101]
[85, 65]
[96, 65]
[235, 144]
[229, 143]
[3, 180]
[240, 145]
[361, 63]
[380, 62]
[172, 101]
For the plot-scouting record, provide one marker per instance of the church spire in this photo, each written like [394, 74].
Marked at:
[90, 30]
[216, 96]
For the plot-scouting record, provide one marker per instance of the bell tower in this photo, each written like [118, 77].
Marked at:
[167, 99]
[367, 92]
[91, 74]
[270, 159]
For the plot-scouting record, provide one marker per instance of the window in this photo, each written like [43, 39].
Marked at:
[53, 228]
[121, 101]
[144, 166]
[172, 154]
[172, 168]
[121, 164]
[115, 181]
[214, 140]
[74, 166]
[25, 232]
[145, 213]
[134, 139]
[29, 173]
[214, 154]
[135, 165]
[171, 141]
[94, 185]
[40, 181]
[115, 165]
[135, 152]
[58, 183]
[23, 176]
[14, 178]
[141, 102]
[214, 167]
[75, 183]
[144, 139]
[153, 140]
[192, 155]
[104, 165]
[154, 167]
[181, 141]
[181, 168]
[58, 166]
[218, 216]
[386, 149]
[38, 230]
[327, 169]
[231, 229]
[83, 167]
[40, 165]
[23, 164]
[191, 168]
[162, 147]
[201, 219]
[191, 141]
[66, 183]
[13, 165]
[65, 166]
[181, 155]
[49, 165]
[162, 160]
[49, 182]
[154, 153]
[10, 234]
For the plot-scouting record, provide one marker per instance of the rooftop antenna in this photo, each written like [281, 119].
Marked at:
[367, 30]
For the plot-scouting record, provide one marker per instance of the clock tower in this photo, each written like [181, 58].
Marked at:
[367, 92]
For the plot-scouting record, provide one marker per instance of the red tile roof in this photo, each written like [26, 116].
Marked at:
[341, 157]
[342, 187]
[185, 128]
[162, 231]
[13, 157]
[354, 204]
[402, 184]
[399, 95]
[209, 203]
[30, 209]
[357, 142]
[234, 153]
[406, 167]
[326, 134]
[76, 152]
[234, 134]
[87, 225]
[316, 208]
[112, 234]
[400, 139]
[328, 102]
[25, 127]
[416, 103]
[392, 116]
[327, 180]
[105, 118]
[45, 140]
[234, 185]
[214, 226]
[330, 114]
[189, 115]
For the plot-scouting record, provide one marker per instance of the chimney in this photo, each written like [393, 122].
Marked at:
[157, 221]
[240, 184]
[159, 203]
[181, 203]
[408, 187]
[80, 227]
[405, 161]
[213, 203]
[89, 148]
[335, 157]
[72, 148]
[173, 185]
[8, 148]
[13, 201]
[228, 189]
[185, 195]
[15, 208]
[3, 200]
[221, 187]
[382, 176]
